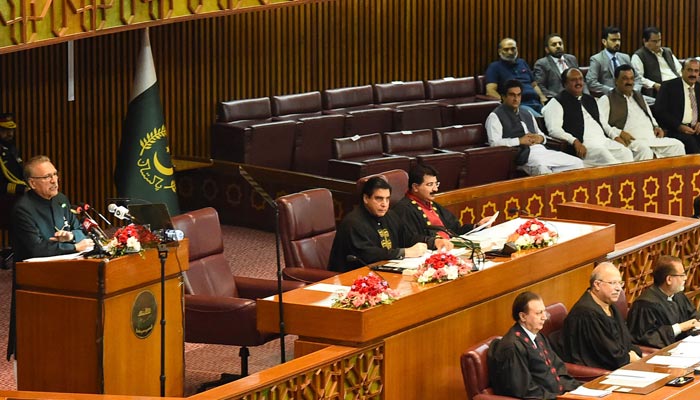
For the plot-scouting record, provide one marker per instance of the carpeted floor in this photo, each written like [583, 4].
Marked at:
[250, 253]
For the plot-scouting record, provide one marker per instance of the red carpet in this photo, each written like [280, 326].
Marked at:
[250, 253]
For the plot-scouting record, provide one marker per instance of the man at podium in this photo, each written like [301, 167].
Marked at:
[42, 222]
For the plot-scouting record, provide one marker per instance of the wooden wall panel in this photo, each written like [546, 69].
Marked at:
[311, 46]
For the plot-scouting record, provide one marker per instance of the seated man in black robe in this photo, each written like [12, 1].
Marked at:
[522, 364]
[421, 214]
[594, 332]
[372, 232]
[662, 314]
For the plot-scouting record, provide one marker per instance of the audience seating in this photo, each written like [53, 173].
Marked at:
[397, 93]
[451, 90]
[245, 112]
[343, 100]
[418, 146]
[295, 106]
[219, 307]
[365, 122]
[475, 372]
[307, 230]
[397, 179]
[552, 329]
[359, 156]
[418, 116]
[482, 164]
[474, 113]
[252, 144]
[314, 141]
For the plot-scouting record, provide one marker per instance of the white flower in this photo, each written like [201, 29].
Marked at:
[452, 272]
[133, 244]
[534, 227]
[426, 276]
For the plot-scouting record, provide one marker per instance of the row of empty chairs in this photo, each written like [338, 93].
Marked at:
[301, 126]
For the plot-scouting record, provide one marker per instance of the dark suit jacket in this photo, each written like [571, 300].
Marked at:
[670, 103]
[601, 77]
[548, 76]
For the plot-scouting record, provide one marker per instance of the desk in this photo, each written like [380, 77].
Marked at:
[432, 325]
[690, 390]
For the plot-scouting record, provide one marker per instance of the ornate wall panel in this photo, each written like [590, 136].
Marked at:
[313, 45]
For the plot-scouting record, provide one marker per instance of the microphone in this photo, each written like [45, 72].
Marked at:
[120, 212]
[442, 229]
[90, 227]
[87, 207]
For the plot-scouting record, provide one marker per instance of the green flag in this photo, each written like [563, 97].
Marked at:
[144, 169]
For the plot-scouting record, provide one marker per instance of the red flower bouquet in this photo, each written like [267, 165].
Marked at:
[131, 239]
[533, 234]
[366, 291]
[441, 267]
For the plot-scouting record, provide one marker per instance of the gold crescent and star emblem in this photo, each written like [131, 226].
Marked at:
[152, 170]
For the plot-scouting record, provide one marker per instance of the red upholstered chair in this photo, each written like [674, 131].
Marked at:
[623, 308]
[396, 93]
[291, 107]
[482, 164]
[360, 156]
[552, 329]
[475, 372]
[418, 145]
[220, 308]
[314, 143]
[397, 178]
[343, 100]
[307, 230]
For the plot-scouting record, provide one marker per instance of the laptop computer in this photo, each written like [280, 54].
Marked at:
[156, 216]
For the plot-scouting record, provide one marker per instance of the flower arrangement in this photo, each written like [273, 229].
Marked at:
[533, 234]
[441, 267]
[366, 291]
[131, 239]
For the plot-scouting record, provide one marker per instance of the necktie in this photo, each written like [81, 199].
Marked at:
[615, 63]
[693, 106]
[562, 64]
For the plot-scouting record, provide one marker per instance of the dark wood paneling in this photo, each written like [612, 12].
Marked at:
[312, 46]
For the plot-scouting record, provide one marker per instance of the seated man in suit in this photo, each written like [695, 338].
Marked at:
[372, 232]
[676, 106]
[662, 314]
[548, 69]
[594, 332]
[522, 364]
[510, 125]
[508, 67]
[572, 116]
[600, 77]
[655, 64]
[627, 118]
[421, 214]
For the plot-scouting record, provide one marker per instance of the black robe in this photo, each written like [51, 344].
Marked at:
[359, 235]
[518, 369]
[592, 338]
[651, 317]
[416, 221]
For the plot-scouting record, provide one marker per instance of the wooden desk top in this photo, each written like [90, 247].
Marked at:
[307, 312]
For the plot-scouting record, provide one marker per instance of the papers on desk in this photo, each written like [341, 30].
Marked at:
[415, 262]
[633, 378]
[484, 226]
[674, 361]
[584, 391]
[62, 257]
[684, 355]
[327, 287]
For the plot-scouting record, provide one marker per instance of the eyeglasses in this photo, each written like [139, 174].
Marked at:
[46, 177]
[433, 184]
[683, 275]
[613, 283]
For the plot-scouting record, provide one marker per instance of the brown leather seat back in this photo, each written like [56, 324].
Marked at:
[399, 92]
[622, 305]
[418, 116]
[460, 137]
[365, 122]
[397, 179]
[557, 314]
[270, 144]
[247, 109]
[475, 368]
[463, 88]
[314, 143]
[474, 113]
[209, 272]
[307, 228]
[294, 106]
[349, 97]
[358, 148]
[408, 143]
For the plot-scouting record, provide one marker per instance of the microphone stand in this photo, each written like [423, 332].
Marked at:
[162, 256]
[259, 190]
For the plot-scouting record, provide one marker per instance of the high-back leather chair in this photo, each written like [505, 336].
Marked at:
[307, 230]
[396, 178]
[418, 116]
[232, 120]
[314, 143]
[343, 100]
[451, 90]
[291, 107]
[368, 121]
[474, 113]
[220, 308]
[395, 93]
[475, 371]
[418, 145]
[355, 157]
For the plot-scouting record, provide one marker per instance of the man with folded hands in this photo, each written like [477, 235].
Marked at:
[522, 364]
[372, 232]
[662, 314]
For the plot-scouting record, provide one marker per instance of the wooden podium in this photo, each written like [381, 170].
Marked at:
[93, 326]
